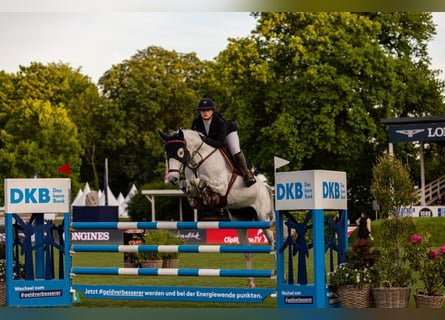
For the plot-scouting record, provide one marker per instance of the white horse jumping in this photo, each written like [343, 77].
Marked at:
[212, 182]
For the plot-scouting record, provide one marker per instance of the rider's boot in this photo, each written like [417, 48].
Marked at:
[249, 178]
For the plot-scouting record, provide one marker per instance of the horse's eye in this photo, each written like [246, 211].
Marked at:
[180, 153]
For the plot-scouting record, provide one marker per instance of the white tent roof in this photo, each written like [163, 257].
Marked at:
[120, 201]
[79, 199]
[112, 201]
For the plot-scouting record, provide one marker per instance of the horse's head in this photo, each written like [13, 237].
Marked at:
[177, 154]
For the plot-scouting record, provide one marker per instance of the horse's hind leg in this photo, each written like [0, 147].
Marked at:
[244, 241]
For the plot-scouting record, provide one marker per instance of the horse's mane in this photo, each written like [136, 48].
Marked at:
[190, 134]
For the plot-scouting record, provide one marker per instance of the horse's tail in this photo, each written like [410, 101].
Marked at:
[263, 180]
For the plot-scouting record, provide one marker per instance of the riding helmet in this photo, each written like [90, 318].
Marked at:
[206, 104]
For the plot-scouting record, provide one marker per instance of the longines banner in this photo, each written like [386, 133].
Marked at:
[419, 132]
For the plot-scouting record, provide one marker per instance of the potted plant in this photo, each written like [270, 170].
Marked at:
[431, 268]
[153, 259]
[171, 259]
[393, 189]
[2, 281]
[353, 280]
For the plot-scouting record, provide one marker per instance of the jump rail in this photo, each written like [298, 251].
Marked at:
[175, 272]
[173, 225]
[173, 248]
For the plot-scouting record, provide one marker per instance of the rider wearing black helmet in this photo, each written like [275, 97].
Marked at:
[218, 131]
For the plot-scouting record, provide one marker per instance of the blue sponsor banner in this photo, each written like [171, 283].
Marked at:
[202, 294]
[39, 293]
[303, 296]
[418, 132]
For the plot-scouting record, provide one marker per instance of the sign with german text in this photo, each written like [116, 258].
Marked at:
[311, 189]
[37, 195]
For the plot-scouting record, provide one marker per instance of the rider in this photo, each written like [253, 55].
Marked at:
[218, 131]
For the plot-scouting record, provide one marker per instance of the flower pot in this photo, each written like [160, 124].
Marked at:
[427, 301]
[130, 265]
[152, 263]
[2, 293]
[170, 263]
[354, 297]
[391, 297]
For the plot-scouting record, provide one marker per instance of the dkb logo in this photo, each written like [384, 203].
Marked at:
[29, 195]
[292, 190]
[331, 190]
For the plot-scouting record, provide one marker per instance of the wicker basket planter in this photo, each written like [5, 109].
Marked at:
[392, 297]
[170, 263]
[426, 301]
[2, 293]
[152, 263]
[354, 297]
[130, 265]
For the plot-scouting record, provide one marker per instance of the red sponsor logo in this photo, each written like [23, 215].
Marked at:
[229, 236]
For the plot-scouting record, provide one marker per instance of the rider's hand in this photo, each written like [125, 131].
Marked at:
[205, 138]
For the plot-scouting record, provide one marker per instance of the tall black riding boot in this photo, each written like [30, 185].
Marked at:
[249, 178]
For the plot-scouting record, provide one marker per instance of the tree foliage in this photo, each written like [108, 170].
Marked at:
[37, 139]
[392, 186]
[312, 88]
[155, 90]
[307, 87]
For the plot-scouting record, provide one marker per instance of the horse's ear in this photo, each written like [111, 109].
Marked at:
[163, 135]
[181, 134]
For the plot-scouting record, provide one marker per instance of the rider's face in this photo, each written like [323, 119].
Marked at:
[206, 114]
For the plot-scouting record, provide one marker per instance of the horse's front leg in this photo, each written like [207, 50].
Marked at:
[192, 194]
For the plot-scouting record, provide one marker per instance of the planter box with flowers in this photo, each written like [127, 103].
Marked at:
[2, 281]
[353, 280]
[393, 189]
[160, 259]
[431, 267]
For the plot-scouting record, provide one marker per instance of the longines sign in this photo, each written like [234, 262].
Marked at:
[408, 133]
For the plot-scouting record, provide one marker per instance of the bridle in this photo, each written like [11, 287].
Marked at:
[186, 159]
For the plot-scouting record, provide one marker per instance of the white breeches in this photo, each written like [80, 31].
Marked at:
[232, 141]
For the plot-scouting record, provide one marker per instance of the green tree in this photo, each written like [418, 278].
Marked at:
[392, 186]
[66, 88]
[37, 139]
[312, 88]
[155, 90]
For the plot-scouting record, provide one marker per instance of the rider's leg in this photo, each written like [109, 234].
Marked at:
[249, 178]
[232, 141]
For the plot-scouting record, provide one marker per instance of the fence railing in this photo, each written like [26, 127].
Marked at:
[432, 190]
